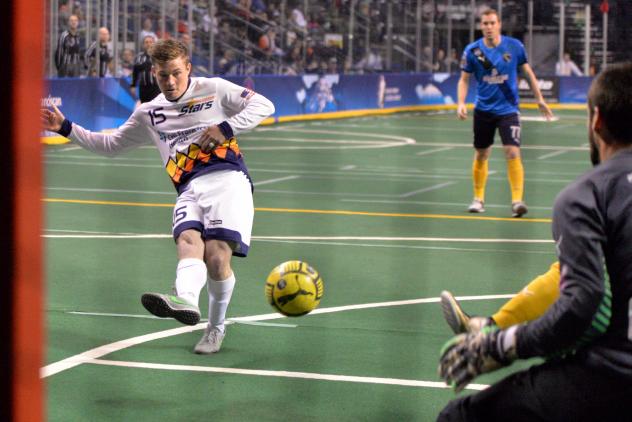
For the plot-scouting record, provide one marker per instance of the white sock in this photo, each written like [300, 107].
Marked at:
[190, 278]
[219, 293]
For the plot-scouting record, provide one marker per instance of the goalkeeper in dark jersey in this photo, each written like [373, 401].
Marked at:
[586, 334]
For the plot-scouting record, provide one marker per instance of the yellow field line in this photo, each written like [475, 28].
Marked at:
[59, 140]
[308, 211]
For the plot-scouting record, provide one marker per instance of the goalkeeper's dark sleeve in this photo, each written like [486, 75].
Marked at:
[584, 296]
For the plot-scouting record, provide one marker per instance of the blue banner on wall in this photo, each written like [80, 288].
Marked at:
[106, 103]
[95, 103]
[574, 89]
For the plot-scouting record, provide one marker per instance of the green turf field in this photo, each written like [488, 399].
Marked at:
[376, 204]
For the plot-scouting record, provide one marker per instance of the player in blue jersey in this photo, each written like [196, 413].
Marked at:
[494, 60]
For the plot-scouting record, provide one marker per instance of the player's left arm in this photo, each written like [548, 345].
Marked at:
[533, 83]
[245, 107]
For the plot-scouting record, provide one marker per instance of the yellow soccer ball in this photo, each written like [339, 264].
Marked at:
[294, 288]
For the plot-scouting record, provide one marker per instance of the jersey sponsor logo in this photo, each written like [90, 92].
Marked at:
[179, 136]
[482, 58]
[197, 104]
[495, 78]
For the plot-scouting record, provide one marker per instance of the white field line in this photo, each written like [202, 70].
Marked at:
[73, 148]
[432, 151]
[539, 119]
[334, 175]
[107, 236]
[347, 195]
[396, 246]
[552, 154]
[93, 355]
[428, 189]
[458, 204]
[279, 179]
[399, 126]
[96, 190]
[328, 243]
[229, 321]
[283, 374]
[314, 238]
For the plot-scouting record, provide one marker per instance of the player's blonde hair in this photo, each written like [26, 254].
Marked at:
[164, 51]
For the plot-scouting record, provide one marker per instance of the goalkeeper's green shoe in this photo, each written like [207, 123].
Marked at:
[458, 320]
[170, 306]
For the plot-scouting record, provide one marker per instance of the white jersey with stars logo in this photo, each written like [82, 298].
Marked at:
[175, 127]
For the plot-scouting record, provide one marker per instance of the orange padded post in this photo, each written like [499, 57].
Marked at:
[26, 48]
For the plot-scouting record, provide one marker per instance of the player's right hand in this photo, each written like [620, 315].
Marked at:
[52, 120]
[211, 138]
[469, 355]
[461, 111]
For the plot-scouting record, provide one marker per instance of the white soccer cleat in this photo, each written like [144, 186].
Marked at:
[476, 206]
[170, 306]
[210, 342]
[518, 209]
[457, 319]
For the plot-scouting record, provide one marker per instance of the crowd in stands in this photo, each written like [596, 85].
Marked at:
[248, 36]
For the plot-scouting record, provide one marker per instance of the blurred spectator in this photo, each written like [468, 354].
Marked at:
[371, 62]
[332, 66]
[312, 58]
[63, 13]
[267, 43]
[244, 10]
[126, 66]
[210, 22]
[78, 12]
[297, 20]
[68, 53]
[452, 62]
[105, 56]
[258, 24]
[142, 75]
[440, 65]
[227, 64]
[147, 30]
[567, 67]
[273, 11]
[426, 59]
[258, 6]
[186, 38]
[294, 59]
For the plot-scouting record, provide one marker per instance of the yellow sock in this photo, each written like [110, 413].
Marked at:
[515, 173]
[479, 177]
[532, 301]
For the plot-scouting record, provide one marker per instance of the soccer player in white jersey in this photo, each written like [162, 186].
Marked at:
[193, 123]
